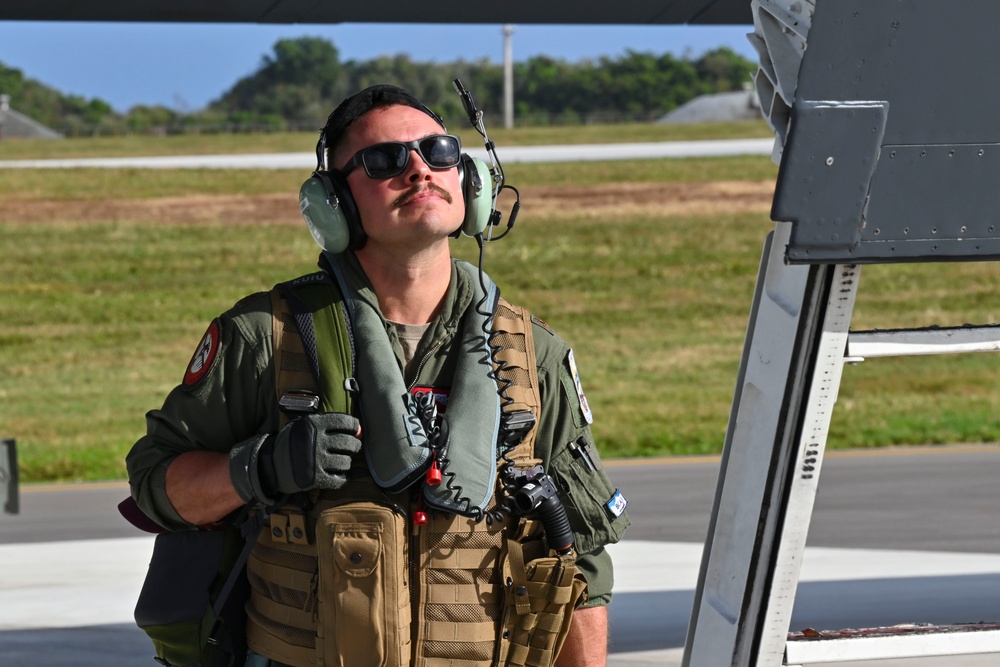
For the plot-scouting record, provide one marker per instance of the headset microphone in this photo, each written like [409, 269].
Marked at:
[495, 169]
[475, 115]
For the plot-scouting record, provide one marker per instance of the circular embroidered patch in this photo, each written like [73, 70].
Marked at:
[203, 357]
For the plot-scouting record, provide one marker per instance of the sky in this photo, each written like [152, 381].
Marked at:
[186, 66]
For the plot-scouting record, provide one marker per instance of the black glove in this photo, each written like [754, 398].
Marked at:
[312, 452]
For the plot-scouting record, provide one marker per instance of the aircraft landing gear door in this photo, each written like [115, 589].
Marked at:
[889, 151]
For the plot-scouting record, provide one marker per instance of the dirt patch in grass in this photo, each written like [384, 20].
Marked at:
[664, 199]
[605, 200]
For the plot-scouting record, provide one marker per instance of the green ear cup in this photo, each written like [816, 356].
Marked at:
[478, 191]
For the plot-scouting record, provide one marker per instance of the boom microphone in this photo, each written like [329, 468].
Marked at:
[474, 114]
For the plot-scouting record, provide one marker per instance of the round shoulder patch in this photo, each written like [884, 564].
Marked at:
[204, 356]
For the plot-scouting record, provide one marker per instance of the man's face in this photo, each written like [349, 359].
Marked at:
[414, 208]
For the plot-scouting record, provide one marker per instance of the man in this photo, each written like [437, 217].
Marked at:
[378, 552]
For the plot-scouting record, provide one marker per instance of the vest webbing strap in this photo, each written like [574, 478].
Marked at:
[283, 613]
[282, 576]
[443, 631]
[460, 594]
[292, 367]
[466, 559]
[274, 646]
[516, 365]
[453, 662]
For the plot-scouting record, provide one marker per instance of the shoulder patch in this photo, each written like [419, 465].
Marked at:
[575, 374]
[204, 356]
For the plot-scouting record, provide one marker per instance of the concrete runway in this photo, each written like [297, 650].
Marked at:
[901, 535]
[306, 161]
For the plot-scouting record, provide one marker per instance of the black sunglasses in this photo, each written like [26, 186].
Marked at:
[438, 151]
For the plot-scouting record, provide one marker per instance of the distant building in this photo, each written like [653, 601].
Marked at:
[717, 108]
[14, 124]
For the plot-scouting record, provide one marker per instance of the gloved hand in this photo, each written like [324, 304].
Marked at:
[312, 452]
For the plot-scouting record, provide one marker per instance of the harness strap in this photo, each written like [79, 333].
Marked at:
[514, 344]
[293, 368]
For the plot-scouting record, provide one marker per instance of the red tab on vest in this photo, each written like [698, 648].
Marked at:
[441, 396]
[203, 357]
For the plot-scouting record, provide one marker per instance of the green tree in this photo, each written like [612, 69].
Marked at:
[723, 69]
[142, 118]
[296, 83]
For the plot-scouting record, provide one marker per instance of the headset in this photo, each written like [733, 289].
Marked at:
[332, 216]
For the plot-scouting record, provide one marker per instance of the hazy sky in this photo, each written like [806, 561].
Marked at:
[185, 66]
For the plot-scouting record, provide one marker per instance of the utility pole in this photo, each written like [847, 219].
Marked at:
[4, 106]
[508, 77]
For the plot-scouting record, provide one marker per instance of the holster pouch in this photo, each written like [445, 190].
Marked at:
[538, 611]
[186, 572]
[364, 594]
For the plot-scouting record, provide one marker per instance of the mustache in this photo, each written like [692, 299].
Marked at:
[405, 198]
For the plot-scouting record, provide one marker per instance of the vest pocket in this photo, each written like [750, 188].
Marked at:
[539, 602]
[362, 590]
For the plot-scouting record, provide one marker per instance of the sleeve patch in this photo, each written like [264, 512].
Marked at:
[204, 357]
[616, 506]
[575, 374]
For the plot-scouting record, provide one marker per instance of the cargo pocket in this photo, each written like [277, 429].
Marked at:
[593, 505]
[361, 586]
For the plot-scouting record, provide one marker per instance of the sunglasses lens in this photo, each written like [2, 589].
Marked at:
[384, 160]
[441, 151]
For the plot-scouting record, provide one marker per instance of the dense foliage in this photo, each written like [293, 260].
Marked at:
[296, 85]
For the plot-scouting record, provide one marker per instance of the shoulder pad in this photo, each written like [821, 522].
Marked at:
[317, 277]
[542, 325]
[249, 298]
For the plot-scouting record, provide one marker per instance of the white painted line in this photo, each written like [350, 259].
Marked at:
[508, 155]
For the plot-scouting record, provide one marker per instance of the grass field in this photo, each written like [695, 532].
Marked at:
[647, 268]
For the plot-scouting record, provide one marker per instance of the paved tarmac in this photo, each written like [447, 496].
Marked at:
[905, 535]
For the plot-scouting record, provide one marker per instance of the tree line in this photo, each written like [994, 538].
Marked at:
[303, 79]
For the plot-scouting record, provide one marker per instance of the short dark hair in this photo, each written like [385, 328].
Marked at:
[360, 103]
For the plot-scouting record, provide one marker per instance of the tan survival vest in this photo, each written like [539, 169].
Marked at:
[351, 582]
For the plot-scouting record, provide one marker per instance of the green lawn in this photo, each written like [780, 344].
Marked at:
[98, 319]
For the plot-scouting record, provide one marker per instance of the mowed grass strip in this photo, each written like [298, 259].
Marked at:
[105, 294]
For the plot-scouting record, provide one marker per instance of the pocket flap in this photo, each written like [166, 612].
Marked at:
[357, 548]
